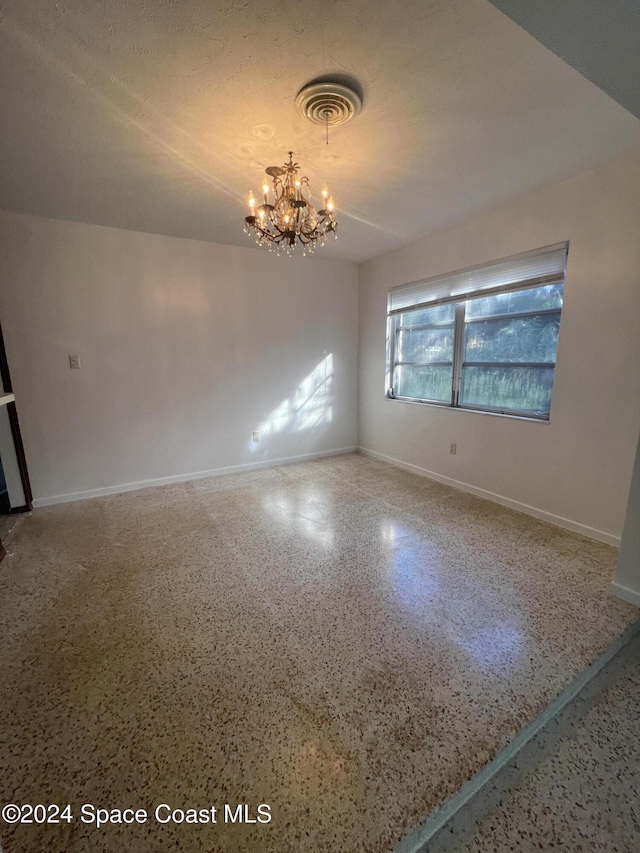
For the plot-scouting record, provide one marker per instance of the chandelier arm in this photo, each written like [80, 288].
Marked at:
[275, 225]
[267, 235]
[262, 231]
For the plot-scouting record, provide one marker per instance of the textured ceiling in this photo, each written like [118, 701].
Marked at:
[160, 115]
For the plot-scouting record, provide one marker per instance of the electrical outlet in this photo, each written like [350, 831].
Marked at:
[256, 437]
[74, 362]
[453, 447]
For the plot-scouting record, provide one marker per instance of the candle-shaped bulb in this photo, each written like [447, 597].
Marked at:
[325, 193]
[298, 190]
[330, 205]
[265, 190]
[252, 202]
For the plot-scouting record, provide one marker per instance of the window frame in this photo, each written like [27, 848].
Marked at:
[459, 326]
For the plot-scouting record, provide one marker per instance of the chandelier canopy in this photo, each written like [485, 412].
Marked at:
[286, 219]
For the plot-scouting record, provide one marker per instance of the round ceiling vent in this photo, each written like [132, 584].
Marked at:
[328, 103]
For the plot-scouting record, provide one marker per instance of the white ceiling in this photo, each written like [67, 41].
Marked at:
[160, 116]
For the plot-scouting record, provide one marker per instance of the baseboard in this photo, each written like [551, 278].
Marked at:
[183, 478]
[630, 595]
[543, 515]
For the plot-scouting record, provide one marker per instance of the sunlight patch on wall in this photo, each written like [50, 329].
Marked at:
[308, 407]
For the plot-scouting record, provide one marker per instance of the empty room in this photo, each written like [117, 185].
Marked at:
[319, 426]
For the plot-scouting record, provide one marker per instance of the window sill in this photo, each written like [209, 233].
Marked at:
[448, 408]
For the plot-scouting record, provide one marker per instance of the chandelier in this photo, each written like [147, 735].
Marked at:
[291, 220]
[286, 220]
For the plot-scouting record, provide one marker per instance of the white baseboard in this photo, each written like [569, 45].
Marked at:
[183, 478]
[543, 515]
[630, 595]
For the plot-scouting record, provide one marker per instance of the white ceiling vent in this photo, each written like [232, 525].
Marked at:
[328, 103]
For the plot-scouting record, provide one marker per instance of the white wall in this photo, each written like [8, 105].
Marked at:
[186, 348]
[626, 583]
[575, 470]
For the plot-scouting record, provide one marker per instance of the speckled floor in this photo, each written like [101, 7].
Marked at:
[584, 797]
[340, 640]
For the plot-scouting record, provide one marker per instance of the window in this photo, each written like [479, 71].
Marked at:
[482, 339]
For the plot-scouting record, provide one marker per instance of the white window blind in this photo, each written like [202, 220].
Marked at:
[543, 266]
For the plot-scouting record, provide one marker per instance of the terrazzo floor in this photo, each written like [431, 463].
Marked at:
[341, 640]
[6, 523]
[584, 797]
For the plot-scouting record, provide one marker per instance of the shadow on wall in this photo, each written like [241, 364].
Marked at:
[308, 407]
